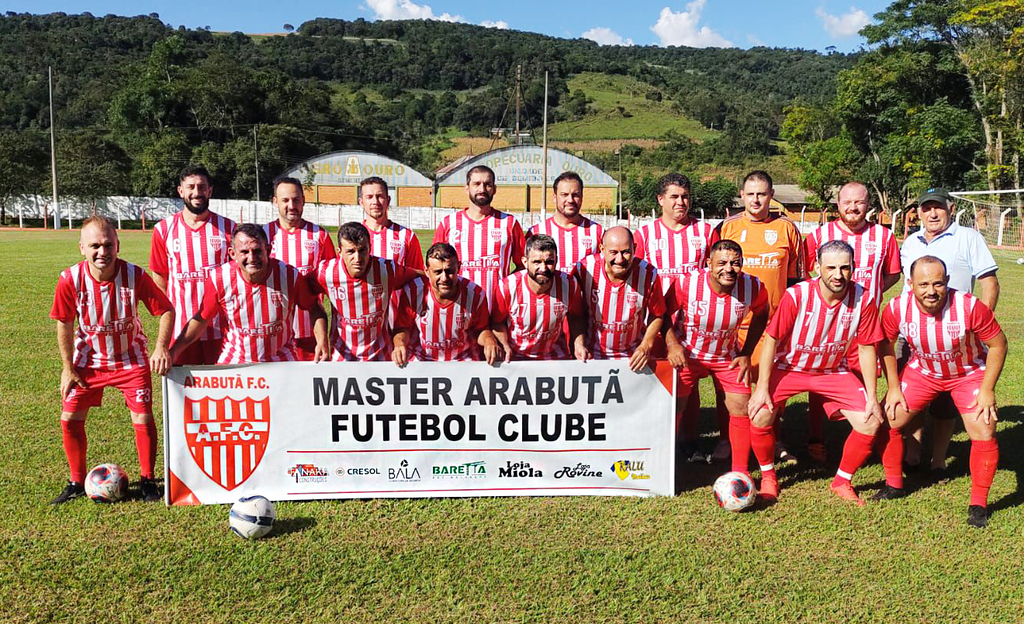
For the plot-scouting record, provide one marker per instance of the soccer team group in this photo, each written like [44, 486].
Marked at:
[735, 302]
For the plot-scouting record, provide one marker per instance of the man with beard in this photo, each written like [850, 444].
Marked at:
[297, 242]
[805, 350]
[185, 247]
[876, 267]
[623, 300]
[256, 296]
[486, 240]
[711, 304]
[576, 236]
[388, 240]
[531, 307]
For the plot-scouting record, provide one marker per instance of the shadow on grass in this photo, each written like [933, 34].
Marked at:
[286, 526]
[1010, 439]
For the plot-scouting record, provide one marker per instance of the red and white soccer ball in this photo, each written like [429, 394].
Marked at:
[735, 491]
[106, 483]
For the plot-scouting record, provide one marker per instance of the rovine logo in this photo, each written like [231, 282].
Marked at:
[227, 437]
[579, 470]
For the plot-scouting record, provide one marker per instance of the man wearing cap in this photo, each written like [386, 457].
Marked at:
[969, 262]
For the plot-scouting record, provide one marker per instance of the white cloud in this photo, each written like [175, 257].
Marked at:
[846, 25]
[754, 40]
[606, 36]
[681, 28]
[407, 9]
[500, 24]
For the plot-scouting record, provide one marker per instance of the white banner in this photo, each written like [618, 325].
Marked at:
[300, 431]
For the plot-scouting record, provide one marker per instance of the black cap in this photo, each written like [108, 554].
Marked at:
[940, 195]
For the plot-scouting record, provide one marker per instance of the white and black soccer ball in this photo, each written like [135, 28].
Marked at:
[106, 483]
[252, 517]
[735, 491]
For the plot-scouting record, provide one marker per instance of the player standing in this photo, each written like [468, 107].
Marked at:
[256, 296]
[576, 236]
[108, 349]
[301, 244]
[805, 350]
[958, 347]
[388, 240]
[185, 247]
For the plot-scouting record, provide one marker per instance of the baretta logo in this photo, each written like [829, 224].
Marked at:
[227, 437]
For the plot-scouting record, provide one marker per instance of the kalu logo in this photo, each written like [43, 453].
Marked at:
[403, 473]
[468, 470]
[227, 437]
[579, 470]
[519, 470]
[308, 473]
[629, 469]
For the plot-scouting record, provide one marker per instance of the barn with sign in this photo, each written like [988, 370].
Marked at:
[334, 178]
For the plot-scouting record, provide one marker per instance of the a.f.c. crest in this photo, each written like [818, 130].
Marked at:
[227, 437]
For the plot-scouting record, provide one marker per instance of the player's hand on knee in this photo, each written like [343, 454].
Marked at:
[985, 404]
[894, 401]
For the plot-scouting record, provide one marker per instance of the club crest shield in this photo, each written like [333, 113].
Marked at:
[227, 437]
[771, 237]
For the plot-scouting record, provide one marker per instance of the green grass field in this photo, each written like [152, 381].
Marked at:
[810, 558]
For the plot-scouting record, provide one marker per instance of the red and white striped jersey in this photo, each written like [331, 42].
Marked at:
[486, 247]
[360, 307]
[707, 322]
[441, 331]
[812, 336]
[945, 346]
[874, 248]
[184, 257]
[536, 323]
[575, 243]
[109, 335]
[305, 248]
[257, 317]
[397, 243]
[673, 252]
[618, 314]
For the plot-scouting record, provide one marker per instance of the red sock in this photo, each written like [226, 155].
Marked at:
[739, 440]
[889, 445]
[815, 417]
[724, 419]
[855, 452]
[691, 414]
[984, 458]
[145, 445]
[762, 441]
[75, 443]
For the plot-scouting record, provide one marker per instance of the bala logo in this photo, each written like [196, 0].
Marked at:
[404, 474]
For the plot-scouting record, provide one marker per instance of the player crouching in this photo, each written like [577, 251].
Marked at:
[108, 348]
[957, 347]
[804, 350]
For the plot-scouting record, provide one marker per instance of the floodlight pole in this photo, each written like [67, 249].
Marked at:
[256, 158]
[544, 187]
[53, 156]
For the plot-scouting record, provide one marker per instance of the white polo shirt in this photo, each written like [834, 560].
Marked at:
[962, 249]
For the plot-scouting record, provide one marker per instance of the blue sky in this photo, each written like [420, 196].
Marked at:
[810, 24]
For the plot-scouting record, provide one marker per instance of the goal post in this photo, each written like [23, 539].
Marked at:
[997, 215]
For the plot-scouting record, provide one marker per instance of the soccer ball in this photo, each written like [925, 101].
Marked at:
[735, 491]
[252, 517]
[106, 483]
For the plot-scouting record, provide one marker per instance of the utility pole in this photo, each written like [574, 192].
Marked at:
[544, 192]
[256, 158]
[519, 102]
[53, 158]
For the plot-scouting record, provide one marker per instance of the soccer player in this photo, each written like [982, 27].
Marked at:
[805, 350]
[108, 349]
[442, 317]
[388, 240]
[301, 244]
[576, 236]
[711, 304]
[531, 307]
[486, 240]
[256, 296]
[185, 247]
[876, 265]
[958, 347]
[623, 300]
[359, 286]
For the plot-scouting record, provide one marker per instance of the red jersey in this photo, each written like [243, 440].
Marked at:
[946, 346]
[304, 249]
[441, 331]
[486, 248]
[360, 307]
[109, 335]
[707, 322]
[813, 336]
[618, 313]
[673, 252]
[574, 243]
[257, 317]
[875, 253]
[536, 323]
[184, 257]
[397, 243]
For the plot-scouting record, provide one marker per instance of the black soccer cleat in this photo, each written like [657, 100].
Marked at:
[889, 493]
[977, 516]
[70, 491]
[150, 490]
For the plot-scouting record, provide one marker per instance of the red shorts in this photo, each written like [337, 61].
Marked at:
[719, 371]
[842, 390]
[305, 349]
[920, 390]
[199, 353]
[134, 383]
